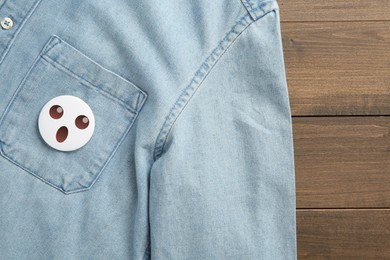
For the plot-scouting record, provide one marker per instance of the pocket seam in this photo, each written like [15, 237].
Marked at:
[8, 157]
[55, 40]
[96, 177]
[86, 83]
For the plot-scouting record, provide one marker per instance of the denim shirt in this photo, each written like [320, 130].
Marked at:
[191, 155]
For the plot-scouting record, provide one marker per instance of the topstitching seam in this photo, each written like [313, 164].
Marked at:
[199, 76]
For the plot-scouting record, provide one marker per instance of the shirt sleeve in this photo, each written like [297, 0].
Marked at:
[224, 185]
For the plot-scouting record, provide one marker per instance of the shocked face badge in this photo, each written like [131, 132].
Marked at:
[66, 123]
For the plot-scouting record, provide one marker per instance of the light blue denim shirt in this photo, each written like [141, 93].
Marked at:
[191, 156]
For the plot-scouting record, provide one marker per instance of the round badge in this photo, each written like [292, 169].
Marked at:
[66, 123]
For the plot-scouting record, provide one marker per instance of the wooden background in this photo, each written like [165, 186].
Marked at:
[337, 57]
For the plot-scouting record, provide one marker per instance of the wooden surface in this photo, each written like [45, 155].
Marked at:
[337, 57]
[344, 234]
[334, 10]
[338, 68]
[342, 162]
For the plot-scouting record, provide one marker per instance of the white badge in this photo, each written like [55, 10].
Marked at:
[66, 123]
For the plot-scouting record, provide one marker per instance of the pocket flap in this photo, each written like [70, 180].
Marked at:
[65, 55]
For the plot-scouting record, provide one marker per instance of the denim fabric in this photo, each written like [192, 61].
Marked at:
[192, 154]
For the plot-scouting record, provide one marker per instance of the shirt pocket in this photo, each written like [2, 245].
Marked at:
[60, 69]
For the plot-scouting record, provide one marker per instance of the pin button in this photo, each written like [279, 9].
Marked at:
[66, 123]
[7, 23]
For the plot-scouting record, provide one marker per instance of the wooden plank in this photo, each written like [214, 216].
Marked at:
[342, 162]
[343, 234]
[338, 68]
[334, 10]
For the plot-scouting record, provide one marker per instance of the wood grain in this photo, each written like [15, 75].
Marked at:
[342, 162]
[334, 10]
[338, 68]
[343, 234]
[337, 58]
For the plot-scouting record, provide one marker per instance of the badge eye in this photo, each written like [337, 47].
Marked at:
[56, 111]
[82, 122]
